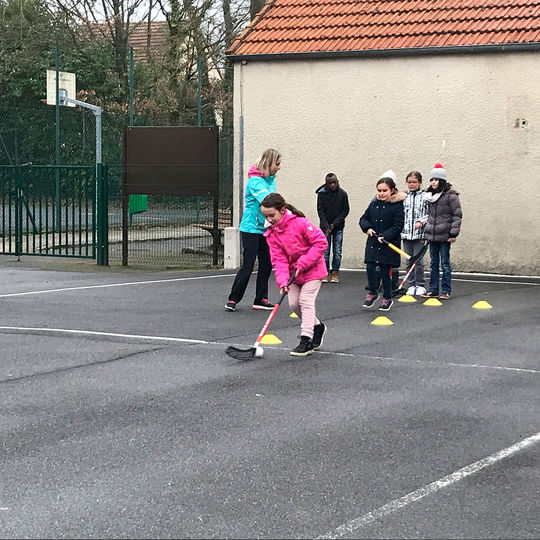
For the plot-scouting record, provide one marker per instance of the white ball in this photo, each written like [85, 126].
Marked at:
[259, 351]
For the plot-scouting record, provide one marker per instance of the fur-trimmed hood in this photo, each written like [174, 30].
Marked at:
[398, 196]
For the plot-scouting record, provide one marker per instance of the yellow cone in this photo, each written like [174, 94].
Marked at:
[270, 339]
[432, 302]
[381, 321]
[407, 298]
[482, 304]
[293, 315]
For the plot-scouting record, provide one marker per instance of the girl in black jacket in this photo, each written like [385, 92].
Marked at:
[383, 218]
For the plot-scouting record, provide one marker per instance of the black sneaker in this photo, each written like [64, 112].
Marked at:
[386, 304]
[430, 294]
[230, 305]
[304, 348]
[318, 335]
[263, 304]
[370, 299]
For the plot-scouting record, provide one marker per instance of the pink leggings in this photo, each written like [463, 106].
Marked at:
[302, 302]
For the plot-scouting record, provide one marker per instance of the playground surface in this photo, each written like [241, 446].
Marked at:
[122, 417]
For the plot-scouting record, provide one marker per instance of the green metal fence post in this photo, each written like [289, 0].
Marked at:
[58, 224]
[102, 252]
[18, 213]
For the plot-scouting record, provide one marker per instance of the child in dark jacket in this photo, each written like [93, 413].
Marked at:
[333, 208]
[297, 246]
[383, 219]
[442, 228]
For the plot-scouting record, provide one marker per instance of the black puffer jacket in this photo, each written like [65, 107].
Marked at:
[444, 218]
[386, 219]
[332, 207]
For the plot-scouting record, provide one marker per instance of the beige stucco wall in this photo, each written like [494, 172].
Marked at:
[478, 114]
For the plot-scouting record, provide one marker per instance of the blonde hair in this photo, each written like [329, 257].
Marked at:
[268, 159]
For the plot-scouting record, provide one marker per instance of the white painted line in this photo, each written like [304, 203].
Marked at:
[370, 517]
[457, 364]
[485, 366]
[83, 287]
[470, 274]
[21, 329]
[495, 281]
[106, 334]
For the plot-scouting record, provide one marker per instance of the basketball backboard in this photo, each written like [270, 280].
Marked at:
[67, 87]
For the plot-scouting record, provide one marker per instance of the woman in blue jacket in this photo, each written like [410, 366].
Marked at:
[382, 220]
[261, 182]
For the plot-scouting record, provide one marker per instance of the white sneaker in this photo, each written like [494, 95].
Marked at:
[410, 291]
[420, 291]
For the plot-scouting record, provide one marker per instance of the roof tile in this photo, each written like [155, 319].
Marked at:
[298, 26]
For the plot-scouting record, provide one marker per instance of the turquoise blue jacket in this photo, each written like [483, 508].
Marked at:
[257, 188]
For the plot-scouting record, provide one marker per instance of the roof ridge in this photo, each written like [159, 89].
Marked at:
[242, 36]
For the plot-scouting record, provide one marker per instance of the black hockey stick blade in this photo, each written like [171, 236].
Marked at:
[241, 354]
[420, 254]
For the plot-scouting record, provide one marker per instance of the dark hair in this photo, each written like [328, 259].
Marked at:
[443, 186]
[275, 200]
[331, 176]
[388, 181]
[415, 173]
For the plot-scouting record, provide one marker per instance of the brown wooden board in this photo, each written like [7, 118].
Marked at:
[171, 161]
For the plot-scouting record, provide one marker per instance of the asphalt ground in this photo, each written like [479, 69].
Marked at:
[122, 417]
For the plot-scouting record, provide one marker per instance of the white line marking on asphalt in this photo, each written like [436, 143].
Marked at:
[458, 364]
[107, 334]
[396, 504]
[136, 336]
[504, 368]
[82, 287]
[495, 281]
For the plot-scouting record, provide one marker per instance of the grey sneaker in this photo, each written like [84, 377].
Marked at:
[318, 335]
[370, 300]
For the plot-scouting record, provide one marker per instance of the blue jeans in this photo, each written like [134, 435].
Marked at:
[335, 238]
[440, 250]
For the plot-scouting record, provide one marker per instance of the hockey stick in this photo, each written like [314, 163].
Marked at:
[391, 246]
[257, 350]
[414, 260]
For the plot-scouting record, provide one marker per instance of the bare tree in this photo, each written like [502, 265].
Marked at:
[111, 20]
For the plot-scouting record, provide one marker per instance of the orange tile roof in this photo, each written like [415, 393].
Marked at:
[292, 27]
[143, 35]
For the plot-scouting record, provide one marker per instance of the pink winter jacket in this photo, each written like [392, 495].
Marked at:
[295, 243]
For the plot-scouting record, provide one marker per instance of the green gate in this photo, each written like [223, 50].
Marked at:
[54, 211]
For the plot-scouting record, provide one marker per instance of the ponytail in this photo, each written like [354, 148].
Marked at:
[275, 200]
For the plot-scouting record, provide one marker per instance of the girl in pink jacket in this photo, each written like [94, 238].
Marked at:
[297, 246]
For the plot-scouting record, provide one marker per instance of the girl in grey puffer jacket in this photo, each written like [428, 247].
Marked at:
[442, 228]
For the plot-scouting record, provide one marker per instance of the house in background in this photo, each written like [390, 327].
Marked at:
[358, 87]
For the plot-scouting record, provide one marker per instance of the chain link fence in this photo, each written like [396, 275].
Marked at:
[164, 231]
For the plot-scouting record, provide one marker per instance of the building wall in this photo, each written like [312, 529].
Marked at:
[477, 114]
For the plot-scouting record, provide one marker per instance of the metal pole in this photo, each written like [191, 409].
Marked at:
[58, 224]
[199, 79]
[241, 166]
[97, 114]
[131, 86]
